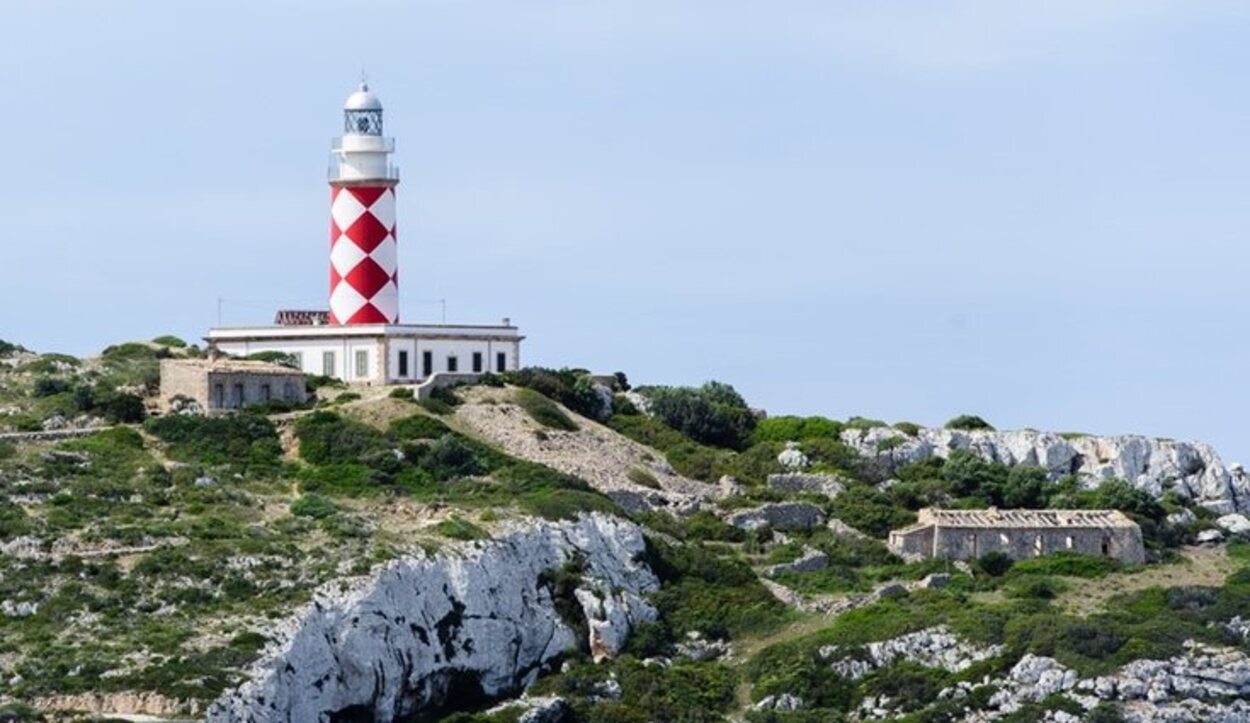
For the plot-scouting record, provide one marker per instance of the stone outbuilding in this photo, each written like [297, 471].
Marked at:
[1020, 534]
[223, 384]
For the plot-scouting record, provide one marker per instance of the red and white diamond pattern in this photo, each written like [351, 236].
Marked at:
[364, 269]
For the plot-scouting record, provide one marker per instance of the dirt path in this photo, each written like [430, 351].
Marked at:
[1201, 565]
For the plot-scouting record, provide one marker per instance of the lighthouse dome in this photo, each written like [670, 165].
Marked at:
[363, 99]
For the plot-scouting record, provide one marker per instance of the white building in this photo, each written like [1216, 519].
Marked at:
[360, 339]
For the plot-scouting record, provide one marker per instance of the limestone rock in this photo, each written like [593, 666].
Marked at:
[812, 560]
[1193, 469]
[792, 457]
[779, 516]
[1210, 537]
[822, 484]
[1234, 524]
[391, 645]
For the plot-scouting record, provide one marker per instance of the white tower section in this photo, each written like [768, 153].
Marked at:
[364, 258]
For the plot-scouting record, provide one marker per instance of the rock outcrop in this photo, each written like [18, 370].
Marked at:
[779, 516]
[480, 620]
[1193, 469]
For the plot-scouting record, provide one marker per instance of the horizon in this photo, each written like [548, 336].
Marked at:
[1028, 214]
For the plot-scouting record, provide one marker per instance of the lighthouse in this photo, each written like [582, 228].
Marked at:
[364, 259]
[360, 339]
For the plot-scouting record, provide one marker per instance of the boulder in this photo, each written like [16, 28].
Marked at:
[1234, 524]
[779, 516]
[821, 484]
[792, 457]
[1210, 537]
[812, 560]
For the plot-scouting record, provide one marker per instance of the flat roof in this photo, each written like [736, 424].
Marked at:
[231, 365]
[318, 331]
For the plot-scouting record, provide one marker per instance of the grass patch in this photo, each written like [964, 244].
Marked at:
[544, 411]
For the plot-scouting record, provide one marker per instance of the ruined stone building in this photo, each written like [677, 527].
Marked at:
[223, 384]
[968, 534]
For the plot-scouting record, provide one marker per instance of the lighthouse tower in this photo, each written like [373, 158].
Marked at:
[364, 263]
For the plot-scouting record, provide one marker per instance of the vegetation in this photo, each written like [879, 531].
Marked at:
[968, 422]
[713, 414]
[544, 411]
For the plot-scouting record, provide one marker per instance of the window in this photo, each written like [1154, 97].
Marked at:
[453, 364]
[362, 364]
[1038, 546]
[403, 363]
[327, 363]
[477, 361]
[236, 400]
[1069, 542]
[427, 363]
[219, 396]
[501, 362]
[1003, 539]
[265, 393]
[298, 356]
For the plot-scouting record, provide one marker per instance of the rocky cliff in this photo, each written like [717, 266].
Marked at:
[478, 621]
[1192, 469]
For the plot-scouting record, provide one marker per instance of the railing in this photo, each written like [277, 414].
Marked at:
[391, 173]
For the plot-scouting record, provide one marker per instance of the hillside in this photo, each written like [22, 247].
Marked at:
[615, 554]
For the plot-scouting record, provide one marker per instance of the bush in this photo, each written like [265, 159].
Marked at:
[969, 422]
[327, 438]
[785, 429]
[313, 505]
[570, 387]
[1068, 564]
[544, 411]
[9, 349]
[644, 478]
[121, 408]
[995, 564]
[869, 510]
[418, 426]
[457, 529]
[8, 450]
[170, 340]
[404, 393]
[50, 386]
[713, 414]
[214, 440]
[1037, 588]
[718, 597]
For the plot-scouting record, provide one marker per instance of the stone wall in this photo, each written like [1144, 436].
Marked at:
[967, 543]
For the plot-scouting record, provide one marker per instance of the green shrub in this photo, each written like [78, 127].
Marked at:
[13, 521]
[644, 478]
[995, 563]
[404, 393]
[418, 426]
[313, 505]
[457, 529]
[869, 510]
[1068, 564]
[170, 340]
[969, 422]
[911, 429]
[1038, 587]
[436, 406]
[9, 348]
[721, 598]
[544, 411]
[8, 450]
[327, 438]
[50, 386]
[570, 387]
[713, 414]
[789, 428]
[122, 408]
[220, 439]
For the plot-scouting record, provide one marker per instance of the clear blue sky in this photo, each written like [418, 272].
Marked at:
[1032, 211]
